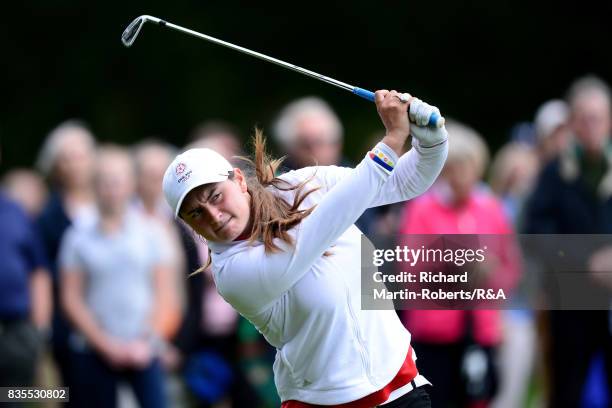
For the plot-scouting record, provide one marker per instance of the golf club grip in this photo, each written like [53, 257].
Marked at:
[435, 120]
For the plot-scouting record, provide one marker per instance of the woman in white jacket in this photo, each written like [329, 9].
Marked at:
[286, 255]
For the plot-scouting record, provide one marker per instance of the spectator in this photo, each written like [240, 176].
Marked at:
[149, 156]
[112, 275]
[573, 196]
[458, 204]
[513, 174]
[310, 133]
[25, 296]
[552, 132]
[66, 160]
[26, 187]
[151, 159]
[220, 136]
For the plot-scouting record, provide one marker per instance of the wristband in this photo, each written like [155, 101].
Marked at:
[380, 158]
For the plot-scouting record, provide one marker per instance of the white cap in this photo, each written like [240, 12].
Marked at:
[191, 169]
[550, 116]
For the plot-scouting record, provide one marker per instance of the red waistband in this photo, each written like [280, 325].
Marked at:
[406, 373]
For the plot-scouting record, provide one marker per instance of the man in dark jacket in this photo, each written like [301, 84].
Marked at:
[574, 196]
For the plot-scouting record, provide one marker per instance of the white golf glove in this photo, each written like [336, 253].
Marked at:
[419, 114]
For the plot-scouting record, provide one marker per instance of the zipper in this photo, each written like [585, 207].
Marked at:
[357, 332]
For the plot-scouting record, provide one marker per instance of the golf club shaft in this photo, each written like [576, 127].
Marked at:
[259, 55]
[434, 121]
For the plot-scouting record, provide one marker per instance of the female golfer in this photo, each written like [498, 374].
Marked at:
[286, 255]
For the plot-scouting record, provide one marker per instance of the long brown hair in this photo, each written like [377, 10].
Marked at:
[271, 216]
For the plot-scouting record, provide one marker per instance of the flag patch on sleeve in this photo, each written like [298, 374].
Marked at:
[381, 159]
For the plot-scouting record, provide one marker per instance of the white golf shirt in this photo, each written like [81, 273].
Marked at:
[307, 305]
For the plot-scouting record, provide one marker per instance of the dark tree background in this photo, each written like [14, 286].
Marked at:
[487, 63]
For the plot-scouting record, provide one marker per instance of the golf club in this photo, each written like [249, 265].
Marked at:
[131, 32]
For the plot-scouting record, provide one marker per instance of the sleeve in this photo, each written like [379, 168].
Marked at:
[68, 255]
[413, 174]
[268, 276]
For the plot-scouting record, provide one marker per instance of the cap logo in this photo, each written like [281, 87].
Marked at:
[180, 168]
[185, 177]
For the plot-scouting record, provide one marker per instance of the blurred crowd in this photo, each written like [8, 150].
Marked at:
[97, 291]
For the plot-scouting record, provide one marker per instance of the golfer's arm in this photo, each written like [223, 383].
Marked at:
[72, 300]
[414, 173]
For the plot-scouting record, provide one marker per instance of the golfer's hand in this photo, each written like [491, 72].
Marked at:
[394, 115]
[419, 113]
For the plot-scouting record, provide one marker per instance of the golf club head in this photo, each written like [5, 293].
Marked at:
[131, 32]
